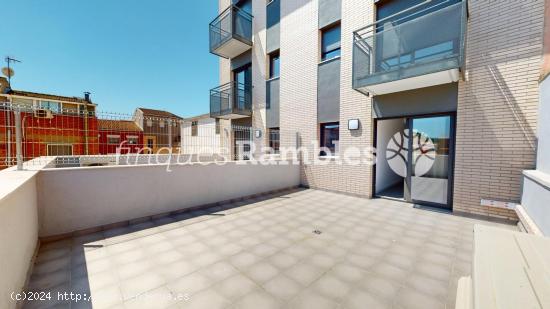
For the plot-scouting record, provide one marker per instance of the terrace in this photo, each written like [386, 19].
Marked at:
[296, 249]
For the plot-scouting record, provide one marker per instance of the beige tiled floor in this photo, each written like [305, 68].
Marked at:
[263, 253]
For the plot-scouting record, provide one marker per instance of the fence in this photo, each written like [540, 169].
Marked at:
[83, 137]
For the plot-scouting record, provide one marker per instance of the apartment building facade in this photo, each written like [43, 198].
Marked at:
[446, 91]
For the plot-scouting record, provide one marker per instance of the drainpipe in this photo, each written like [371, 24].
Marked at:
[18, 140]
[87, 100]
[546, 44]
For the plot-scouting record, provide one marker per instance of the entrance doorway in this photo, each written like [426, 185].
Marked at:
[414, 161]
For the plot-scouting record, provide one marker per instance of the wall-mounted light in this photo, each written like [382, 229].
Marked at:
[353, 124]
[258, 133]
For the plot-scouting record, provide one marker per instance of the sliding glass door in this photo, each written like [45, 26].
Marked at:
[430, 160]
[415, 159]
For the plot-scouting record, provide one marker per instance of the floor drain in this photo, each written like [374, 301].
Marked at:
[317, 232]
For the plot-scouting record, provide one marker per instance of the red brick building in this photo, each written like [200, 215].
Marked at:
[50, 124]
[119, 136]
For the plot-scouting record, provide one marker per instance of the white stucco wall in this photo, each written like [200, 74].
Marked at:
[535, 197]
[543, 130]
[80, 198]
[206, 141]
[18, 231]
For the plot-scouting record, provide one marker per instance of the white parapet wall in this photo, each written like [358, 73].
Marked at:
[73, 199]
[535, 201]
[18, 231]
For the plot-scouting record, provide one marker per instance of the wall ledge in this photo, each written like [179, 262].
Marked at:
[527, 222]
[541, 178]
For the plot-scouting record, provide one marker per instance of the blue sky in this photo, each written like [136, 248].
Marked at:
[128, 53]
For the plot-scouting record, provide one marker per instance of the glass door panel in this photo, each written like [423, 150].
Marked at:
[430, 160]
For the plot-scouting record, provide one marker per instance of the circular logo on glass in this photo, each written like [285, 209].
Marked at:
[423, 153]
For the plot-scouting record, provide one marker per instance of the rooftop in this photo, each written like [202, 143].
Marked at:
[125, 125]
[297, 249]
[48, 96]
[157, 113]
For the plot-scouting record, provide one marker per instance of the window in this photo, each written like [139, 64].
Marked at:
[330, 42]
[245, 5]
[329, 138]
[70, 109]
[217, 125]
[194, 128]
[25, 104]
[55, 107]
[113, 139]
[274, 139]
[149, 122]
[161, 123]
[150, 143]
[274, 65]
[60, 150]
[132, 139]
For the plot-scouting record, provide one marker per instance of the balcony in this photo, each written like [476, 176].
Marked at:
[231, 33]
[231, 101]
[419, 47]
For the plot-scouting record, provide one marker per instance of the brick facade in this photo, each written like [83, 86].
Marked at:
[497, 103]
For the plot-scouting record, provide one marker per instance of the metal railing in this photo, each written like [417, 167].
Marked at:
[423, 39]
[231, 99]
[30, 135]
[232, 23]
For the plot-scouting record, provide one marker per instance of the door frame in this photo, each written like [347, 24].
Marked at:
[407, 180]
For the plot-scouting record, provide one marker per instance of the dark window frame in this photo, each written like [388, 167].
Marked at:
[333, 52]
[274, 144]
[275, 55]
[322, 135]
[194, 128]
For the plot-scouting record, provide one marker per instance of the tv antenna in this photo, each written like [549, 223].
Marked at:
[8, 71]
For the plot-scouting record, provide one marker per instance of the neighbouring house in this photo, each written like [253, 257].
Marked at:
[161, 129]
[51, 125]
[204, 135]
[343, 74]
[119, 136]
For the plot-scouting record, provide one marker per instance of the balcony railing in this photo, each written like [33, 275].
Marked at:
[231, 33]
[230, 101]
[419, 47]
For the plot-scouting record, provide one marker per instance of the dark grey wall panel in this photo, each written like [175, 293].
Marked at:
[436, 99]
[272, 100]
[273, 38]
[272, 25]
[330, 11]
[239, 61]
[328, 91]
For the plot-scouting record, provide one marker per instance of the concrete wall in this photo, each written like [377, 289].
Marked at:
[18, 231]
[429, 100]
[80, 198]
[536, 199]
[543, 151]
